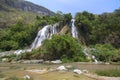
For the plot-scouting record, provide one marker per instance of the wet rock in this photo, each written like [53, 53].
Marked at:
[61, 68]
[51, 70]
[69, 66]
[56, 61]
[38, 71]
[32, 61]
[77, 71]
[107, 63]
[47, 62]
[5, 60]
[85, 71]
[27, 77]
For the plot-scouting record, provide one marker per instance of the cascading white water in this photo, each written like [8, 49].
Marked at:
[87, 52]
[45, 33]
[95, 60]
[74, 29]
[75, 35]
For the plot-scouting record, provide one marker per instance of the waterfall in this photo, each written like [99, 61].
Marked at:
[45, 33]
[74, 29]
[95, 60]
[87, 52]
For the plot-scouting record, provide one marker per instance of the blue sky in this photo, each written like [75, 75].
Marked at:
[73, 6]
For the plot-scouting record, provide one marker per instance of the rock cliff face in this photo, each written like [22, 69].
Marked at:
[9, 5]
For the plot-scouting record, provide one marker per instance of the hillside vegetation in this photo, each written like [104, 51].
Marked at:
[22, 5]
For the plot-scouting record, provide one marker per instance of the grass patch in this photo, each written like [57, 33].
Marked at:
[109, 73]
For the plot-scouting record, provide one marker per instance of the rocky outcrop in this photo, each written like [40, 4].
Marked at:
[65, 30]
[9, 5]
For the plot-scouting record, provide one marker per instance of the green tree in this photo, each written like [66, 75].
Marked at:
[67, 18]
[8, 45]
[63, 47]
[104, 52]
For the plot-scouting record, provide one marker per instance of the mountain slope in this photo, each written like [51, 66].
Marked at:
[10, 5]
[12, 11]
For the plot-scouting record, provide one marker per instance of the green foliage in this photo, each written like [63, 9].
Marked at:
[35, 54]
[84, 23]
[104, 52]
[110, 73]
[116, 57]
[67, 18]
[10, 57]
[58, 17]
[103, 28]
[19, 35]
[63, 47]
[8, 45]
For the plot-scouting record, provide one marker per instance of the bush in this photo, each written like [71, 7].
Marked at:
[10, 57]
[62, 47]
[116, 57]
[110, 73]
[35, 54]
[8, 45]
[104, 52]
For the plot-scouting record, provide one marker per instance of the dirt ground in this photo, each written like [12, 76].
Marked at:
[20, 70]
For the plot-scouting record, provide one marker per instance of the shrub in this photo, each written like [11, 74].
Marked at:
[104, 52]
[116, 57]
[10, 57]
[63, 47]
[8, 45]
[35, 54]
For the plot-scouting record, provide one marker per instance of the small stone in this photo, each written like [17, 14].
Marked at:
[5, 60]
[77, 71]
[61, 68]
[107, 63]
[56, 61]
[27, 77]
[85, 71]
[69, 66]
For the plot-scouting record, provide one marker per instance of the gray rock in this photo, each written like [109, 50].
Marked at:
[5, 60]
[27, 77]
[61, 68]
[77, 71]
[33, 61]
[85, 71]
[56, 61]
